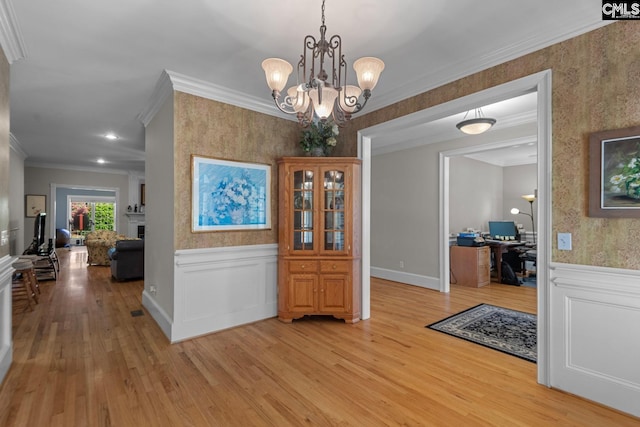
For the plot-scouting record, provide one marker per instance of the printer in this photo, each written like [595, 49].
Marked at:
[470, 239]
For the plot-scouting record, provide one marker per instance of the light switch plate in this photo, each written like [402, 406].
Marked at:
[564, 241]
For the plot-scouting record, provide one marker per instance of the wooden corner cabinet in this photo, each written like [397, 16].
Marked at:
[319, 238]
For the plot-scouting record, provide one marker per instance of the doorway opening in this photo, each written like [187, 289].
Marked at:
[81, 209]
[539, 83]
[90, 214]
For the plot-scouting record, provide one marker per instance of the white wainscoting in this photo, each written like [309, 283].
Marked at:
[6, 342]
[219, 288]
[595, 334]
[404, 277]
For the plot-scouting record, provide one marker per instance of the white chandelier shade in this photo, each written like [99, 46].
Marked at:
[368, 70]
[278, 73]
[318, 95]
[299, 99]
[323, 99]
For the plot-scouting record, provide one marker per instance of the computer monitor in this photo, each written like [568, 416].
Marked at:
[38, 229]
[503, 230]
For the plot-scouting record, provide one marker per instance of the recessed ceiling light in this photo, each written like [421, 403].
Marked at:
[112, 136]
[102, 161]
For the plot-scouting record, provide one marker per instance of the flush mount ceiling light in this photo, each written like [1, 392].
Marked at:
[112, 136]
[476, 125]
[322, 95]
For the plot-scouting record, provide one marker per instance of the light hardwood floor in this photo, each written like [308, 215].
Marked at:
[81, 359]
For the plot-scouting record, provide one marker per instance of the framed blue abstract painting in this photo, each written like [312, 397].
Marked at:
[229, 195]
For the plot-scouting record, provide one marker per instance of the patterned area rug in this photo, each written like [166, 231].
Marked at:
[510, 331]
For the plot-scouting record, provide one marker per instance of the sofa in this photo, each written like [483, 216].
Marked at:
[98, 244]
[127, 260]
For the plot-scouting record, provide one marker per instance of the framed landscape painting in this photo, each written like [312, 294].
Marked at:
[229, 195]
[614, 173]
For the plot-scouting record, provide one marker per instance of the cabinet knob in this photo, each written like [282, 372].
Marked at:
[302, 266]
[334, 266]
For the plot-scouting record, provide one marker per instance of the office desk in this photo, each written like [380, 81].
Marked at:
[498, 247]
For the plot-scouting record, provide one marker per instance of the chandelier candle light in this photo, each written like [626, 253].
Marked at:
[317, 94]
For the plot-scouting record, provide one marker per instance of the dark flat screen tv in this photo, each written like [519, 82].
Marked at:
[38, 229]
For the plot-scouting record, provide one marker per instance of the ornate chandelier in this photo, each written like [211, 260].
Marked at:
[317, 94]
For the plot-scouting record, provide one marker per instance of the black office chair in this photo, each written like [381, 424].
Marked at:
[529, 255]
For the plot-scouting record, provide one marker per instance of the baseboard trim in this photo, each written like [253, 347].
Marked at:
[6, 339]
[404, 277]
[158, 314]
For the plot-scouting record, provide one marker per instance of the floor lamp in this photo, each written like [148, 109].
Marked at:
[529, 198]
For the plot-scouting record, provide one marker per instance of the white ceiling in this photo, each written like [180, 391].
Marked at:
[80, 69]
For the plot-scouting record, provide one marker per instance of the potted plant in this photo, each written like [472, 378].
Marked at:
[319, 138]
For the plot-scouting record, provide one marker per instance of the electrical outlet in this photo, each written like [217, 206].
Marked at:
[401, 264]
[153, 289]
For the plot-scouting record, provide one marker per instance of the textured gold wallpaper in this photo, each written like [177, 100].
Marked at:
[213, 129]
[596, 86]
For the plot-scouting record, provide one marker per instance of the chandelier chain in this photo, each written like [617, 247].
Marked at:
[322, 12]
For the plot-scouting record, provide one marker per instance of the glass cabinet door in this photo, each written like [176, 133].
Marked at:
[303, 231]
[333, 197]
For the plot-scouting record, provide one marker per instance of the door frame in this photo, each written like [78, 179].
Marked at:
[74, 198]
[53, 205]
[540, 83]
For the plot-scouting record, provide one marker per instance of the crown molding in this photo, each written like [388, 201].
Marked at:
[475, 64]
[75, 168]
[17, 146]
[161, 91]
[171, 81]
[10, 35]
[218, 93]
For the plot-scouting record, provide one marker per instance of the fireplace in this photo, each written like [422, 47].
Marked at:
[141, 231]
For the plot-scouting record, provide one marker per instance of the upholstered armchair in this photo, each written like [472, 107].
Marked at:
[98, 244]
[127, 260]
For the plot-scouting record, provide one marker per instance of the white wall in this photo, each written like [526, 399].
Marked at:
[404, 203]
[16, 201]
[404, 211]
[159, 217]
[475, 194]
[519, 180]
[480, 192]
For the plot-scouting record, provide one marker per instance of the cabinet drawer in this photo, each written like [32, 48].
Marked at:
[303, 266]
[335, 266]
